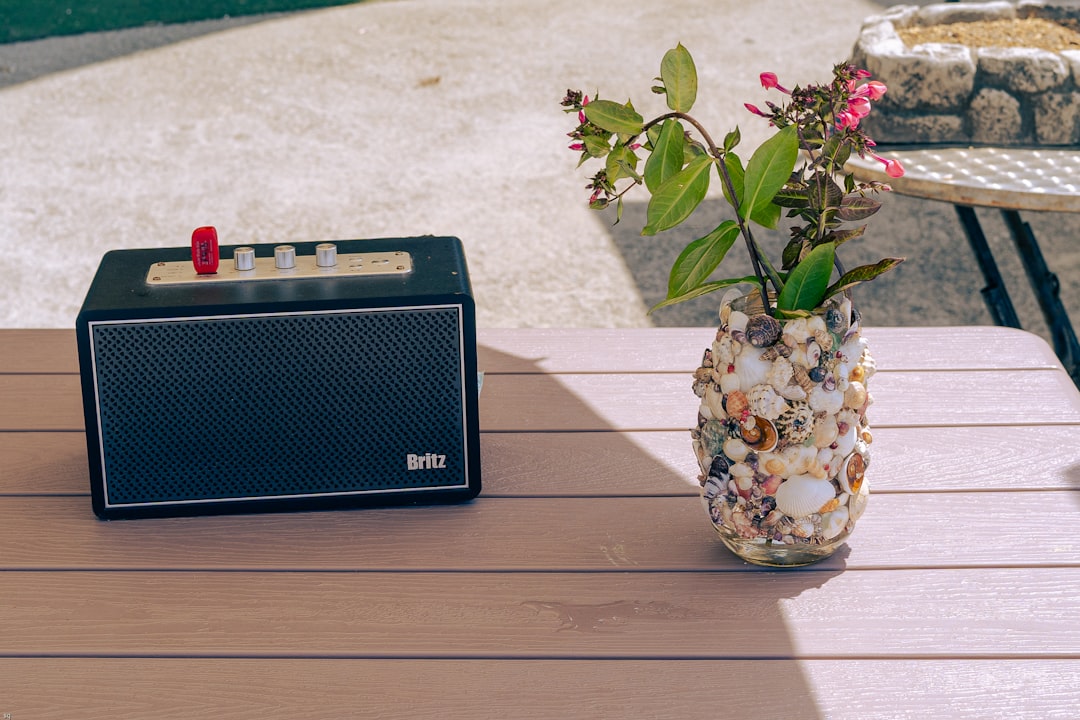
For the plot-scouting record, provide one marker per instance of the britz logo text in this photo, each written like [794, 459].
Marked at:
[427, 461]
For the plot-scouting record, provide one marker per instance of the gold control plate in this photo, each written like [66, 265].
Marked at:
[348, 265]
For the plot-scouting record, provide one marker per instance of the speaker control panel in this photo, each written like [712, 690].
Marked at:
[286, 264]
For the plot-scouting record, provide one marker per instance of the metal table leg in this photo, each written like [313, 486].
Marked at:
[994, 294]
[1047, 291]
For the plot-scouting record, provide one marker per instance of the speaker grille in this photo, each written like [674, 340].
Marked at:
[248, 407]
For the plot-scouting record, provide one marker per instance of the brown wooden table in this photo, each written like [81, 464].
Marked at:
[586, 581]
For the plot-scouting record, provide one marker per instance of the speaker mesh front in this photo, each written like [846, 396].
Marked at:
[279, 405]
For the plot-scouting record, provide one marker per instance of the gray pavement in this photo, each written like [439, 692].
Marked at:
[408, 117]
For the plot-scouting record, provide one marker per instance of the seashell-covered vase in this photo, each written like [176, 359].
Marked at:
[782, 438]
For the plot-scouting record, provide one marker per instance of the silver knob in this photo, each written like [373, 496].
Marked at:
[326, 255]
[284, 257]
[244, 258]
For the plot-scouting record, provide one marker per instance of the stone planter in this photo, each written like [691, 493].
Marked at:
[782, 438]
[952, 94]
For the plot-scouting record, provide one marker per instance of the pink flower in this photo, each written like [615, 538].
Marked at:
[875, 90]
[756, 110]
[577, 146]
[859, 107]
[847, 119]
[581, 113]
[863, 74]
[893, 168]
[769, 81]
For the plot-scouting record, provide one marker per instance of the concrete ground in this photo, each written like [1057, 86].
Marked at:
[407, 117]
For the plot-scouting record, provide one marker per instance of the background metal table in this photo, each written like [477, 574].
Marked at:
[1012, 180]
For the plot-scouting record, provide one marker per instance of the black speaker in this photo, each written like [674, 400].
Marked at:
[294, 377]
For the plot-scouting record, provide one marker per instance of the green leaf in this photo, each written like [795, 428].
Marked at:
[857, 208]
[704, 290]
[732, 139]
[805, 286]
[667, 155]
[622, 162]
[861, 274]
[698, 260]
[790, 197]
[767, 216]
[839, 237]
[680, 78]
[736, 173]
[678, 196]
[595, 146]
[613, 117]
[768, 170]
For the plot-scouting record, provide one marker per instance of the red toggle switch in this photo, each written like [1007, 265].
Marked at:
[204, 250]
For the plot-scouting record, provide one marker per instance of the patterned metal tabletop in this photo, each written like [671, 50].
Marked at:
[1014, 178]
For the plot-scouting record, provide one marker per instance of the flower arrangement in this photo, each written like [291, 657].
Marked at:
[818, 123]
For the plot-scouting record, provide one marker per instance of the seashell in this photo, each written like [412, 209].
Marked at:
[713, 434]
[845, 444]
[857, 503]
[762, 330]
[835, 320]
[780, 374]
[762, 437]
[855, 396]
[772, 518]
[802, 495]
[704, 414]
[801, 377]
[737, 404]
[822, 400]
[813, 354]
[817, 374]
[829, 383]
[771, 483]
[737, 321]
[826, 431]
[802, 528]
[714, 487]
[852, 473]
[735, 449]
[796, 424]
[723, 352]
[751, 368]
[714, 401]
[824, 339]
[829, 506]
[834, 522]
[816, 324]
[793, 391]
[719, 467]
[766, 402]
[796, 332]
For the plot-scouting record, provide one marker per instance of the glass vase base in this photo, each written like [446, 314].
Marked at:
[780, 554]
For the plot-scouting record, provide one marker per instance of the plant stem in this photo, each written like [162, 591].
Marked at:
[757, 258]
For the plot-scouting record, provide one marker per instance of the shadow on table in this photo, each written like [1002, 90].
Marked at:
[740, 609]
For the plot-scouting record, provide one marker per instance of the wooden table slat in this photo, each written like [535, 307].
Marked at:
[178, 689]
[528, 534]
[653, 463]
[578, 350]
[818, 614]
[591, 402]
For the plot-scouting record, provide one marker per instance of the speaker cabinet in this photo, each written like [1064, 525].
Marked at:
[348, 378]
